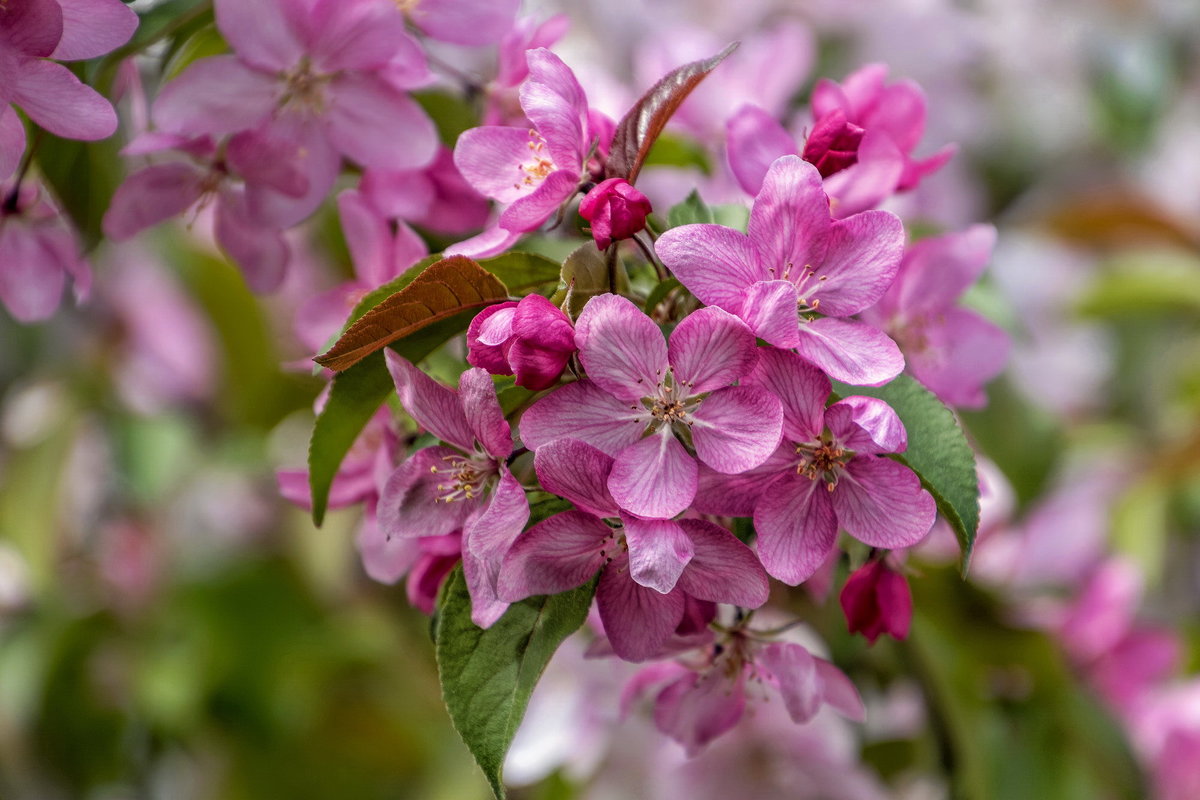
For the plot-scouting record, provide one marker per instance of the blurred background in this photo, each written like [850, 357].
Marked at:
[170, 627]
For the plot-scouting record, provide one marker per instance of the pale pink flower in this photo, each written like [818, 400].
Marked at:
[38, 250]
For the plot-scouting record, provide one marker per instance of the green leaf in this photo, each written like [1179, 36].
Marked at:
[676, 151]
[690, 211]
[585, 275]
[659, 293]
[732, 215]
[84, 176]
[452, 115]
[937, 451]
[523, 270]
[1152, 283]
[488, 675]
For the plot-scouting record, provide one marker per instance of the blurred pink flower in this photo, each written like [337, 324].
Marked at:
[38, 250]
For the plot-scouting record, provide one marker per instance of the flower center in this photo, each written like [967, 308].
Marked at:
[821, 459]
[539, 165]
[304, 88]
[670, 405]
[465, 478]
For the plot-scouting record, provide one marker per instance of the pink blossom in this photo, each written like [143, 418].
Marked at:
[876, 600]
[953, 351]
[38, 250]
[469, 22]
[436, 197]
[795, 264]
[503, 106]
[465, 486]
[532, 339]
[648, 567]
[833, 144]
[616, 210]
[642, 395]
[829, 473]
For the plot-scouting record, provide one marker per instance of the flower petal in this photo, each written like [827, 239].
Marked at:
[32, 27]
[881, 502]
[31, 274]
[709, 349]
[469, 22]
[265, 33]
[658, 551]
[436, 408]
[369, 119]
[353, 35]
[91, 28]
[216, 95]
[492, 242]
[937, 270]
[868, 182]
[486, 540]
[583, 411]
[789, 222]
[151, 195]
[557, 554]
[577, 472]
[638, 621]
[56, 100]
[866, 425]
[529, 212]
[259, 251]
[962, 351]
[621, 348]
[490, 159]
[554, 102]
[12, 141]
[801, 388]
[655, 477]
[863, 254]
[477, 393]
[839, 691]
[770, 311]
[715, 263]
[795, 673]
[796, 527]
[698, 708]
[850, 351]
[754, 139]
[409, 504]
[737, 428]
[722, 569]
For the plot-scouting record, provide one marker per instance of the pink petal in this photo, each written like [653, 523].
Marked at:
[496, 328]
[557, 554]
[937, 270]
[868, 182]
[492, 242]
[863, 254]
[378, 125]
[260, 158]
[486, 540]
[32, 275]
[577, 472]
[151, 195]
[621, 348]
[655, 477]
[32, 27]
[796, 527]
[789, 223]
[56, 100]
[469, 22]
[409, 505]
[735, 495]
[770, 311]
[754, 139]
[866, 425]
[737, 428]
[899, 110]
[801, 388]
[697, 709]
[264, 33]
[638, 621]
[434, 407]
[715, 263]
[795, 672]
[323, 315]
[658, 551]
[850, 351]
[259, 251]
[584, 411]
[353, 35]
[385, 559]
[91, 28]
[12, 141]
[959, 356]
[490, 159]
[400, 194]
[529, 212]
[881, 502]
[216, 95]
[477, 393]
[722, 569]
[555, 103]
[302, 141]
[368, 237]
[839, 691]
[711, 348]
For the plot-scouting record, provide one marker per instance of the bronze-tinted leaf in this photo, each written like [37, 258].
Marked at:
[639, 129]
[449, 287]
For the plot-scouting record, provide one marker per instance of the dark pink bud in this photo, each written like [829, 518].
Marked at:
[489, 336]
[531, 339]
[615, 209]
[833, 144]
[877, 600]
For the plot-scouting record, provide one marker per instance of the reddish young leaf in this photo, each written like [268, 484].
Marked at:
[639, 129]
[451, 286]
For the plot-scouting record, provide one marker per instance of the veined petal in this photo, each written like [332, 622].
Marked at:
[385, 559]
[477, 393]
[554, 102]
[802, 389]
[696, 709]
[715, 263]
[151, 195]
[435, 407]
[491, 159]
[379, 126]
[861, 260]
[216, 95]
[722, 569]
[754, 139]
[711, 348]
[91, 28]
[659, 549]
[577, 472]
[796, 527]
[737, 428]
[56, 100]
[866, 425]
[314, 162]
[352, 35]
[557, 554]
[789, 223]
[32, 27]
[654, 478]
[409, 505]
[529, 212]
[795, 673]
[583, 411]
[871, 180]
[881, 502]
[492, 242]
[638, 621]
[770, 309]
[735, 495]
[850, 351]
[487, 538]
[621, 348]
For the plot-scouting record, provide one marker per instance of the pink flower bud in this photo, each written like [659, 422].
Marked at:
[877, 600]
[833, 144]
[531, 339]
[615, 209]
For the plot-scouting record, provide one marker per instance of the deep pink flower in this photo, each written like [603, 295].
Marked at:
[833, 144]
[650, 567]
[465, 486]
[829, 473]
[641, 395]
[436, 197]
[38, 250]
[532, 339]
[954, 351]
[616, 210]
[876, 600]
[794, 264]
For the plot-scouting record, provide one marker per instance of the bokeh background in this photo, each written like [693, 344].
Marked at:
[171, 628]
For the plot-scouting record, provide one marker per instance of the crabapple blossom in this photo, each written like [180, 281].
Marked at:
[531, 339]
[38, 250]
[615, 209]
[876, 600]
